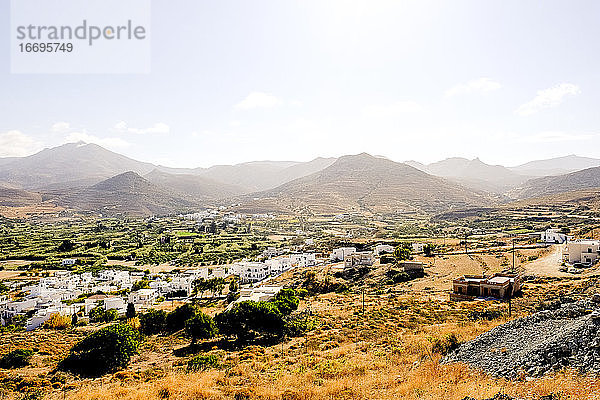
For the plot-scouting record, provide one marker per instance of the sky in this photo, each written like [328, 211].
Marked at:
[507, 81]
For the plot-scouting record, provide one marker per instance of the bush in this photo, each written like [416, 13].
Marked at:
[488, 315]
[153, 321]
[286, 301]
[16, 359]
[299, 324]
[201, 326]
[103, 351]
[177, 318]
[130, 313]
[202, 362]
[445, 345]
[250, 319]
[99, 314]
[58, 321]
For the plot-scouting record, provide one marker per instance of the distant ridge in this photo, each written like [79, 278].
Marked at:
[365, 183]
[586, 179]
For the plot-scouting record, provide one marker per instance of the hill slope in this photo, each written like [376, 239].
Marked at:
[585, 179]
[475, 174]
[366, 183]
[263, 175]
[556, 166]
[193, 187]
[124, 194]
[73, 164]
[10, 197]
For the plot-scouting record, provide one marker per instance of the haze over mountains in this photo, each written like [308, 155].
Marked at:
[87, 177]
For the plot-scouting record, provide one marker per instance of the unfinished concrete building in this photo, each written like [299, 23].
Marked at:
[499, 286]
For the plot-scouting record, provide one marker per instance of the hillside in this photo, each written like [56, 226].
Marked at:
[263, 175]
[574, 181]
[556, 166]
[10, 197]
[73, 164]
[124, 194]
[366, 183]
[193, 187]
[475, 174]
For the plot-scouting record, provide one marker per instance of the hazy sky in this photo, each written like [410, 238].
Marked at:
[234, 81]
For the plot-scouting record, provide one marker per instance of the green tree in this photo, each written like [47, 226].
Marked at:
[153, 321]
[130, 313]
[401, 253]
[248, 320]
[105, 350]
[429, 249]
[201, 326]
[286, 301]
[66, 246]
[141, 284]
[177, 318]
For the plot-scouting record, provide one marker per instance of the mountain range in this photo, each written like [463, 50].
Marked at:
[87, 177]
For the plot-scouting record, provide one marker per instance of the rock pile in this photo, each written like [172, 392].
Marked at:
[549, 340]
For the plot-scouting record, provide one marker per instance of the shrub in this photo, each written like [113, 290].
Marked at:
[201, 326]
[446, 344]
[153, 321]
[488, 315]
[103, 351]
[58, 321]
[130, 313]
[298, 324]
[99, 314]
[249, 319]
[202, 362]
[177, 318]
[286, 301]
[16, 359]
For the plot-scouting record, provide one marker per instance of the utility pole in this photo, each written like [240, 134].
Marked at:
[363, 301]
[513, 254]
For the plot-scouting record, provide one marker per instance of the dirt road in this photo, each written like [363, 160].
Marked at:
[548, 264]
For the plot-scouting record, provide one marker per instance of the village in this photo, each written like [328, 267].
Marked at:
[80, 295]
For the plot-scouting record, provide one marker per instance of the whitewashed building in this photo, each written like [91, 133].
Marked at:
[340, 254]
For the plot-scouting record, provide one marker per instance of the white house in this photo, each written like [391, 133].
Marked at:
[67, 262]
[553, 236]
[582, 251]
[303, 259]
[383, 249]
[417, 247]
[278, 265]
[115, 303]
[143, 297]
[364, 258]
[252, 271]
[340, 254]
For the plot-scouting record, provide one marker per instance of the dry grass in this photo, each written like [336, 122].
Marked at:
[385, 353]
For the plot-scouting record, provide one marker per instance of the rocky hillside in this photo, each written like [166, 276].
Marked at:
[550, 340]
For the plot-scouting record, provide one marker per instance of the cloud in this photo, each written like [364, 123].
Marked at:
[258, 100]
[480, 85]
[17, 144]
[158, 128]
[61, 127]
[110, 142]
[390, 110]
[548, 98]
